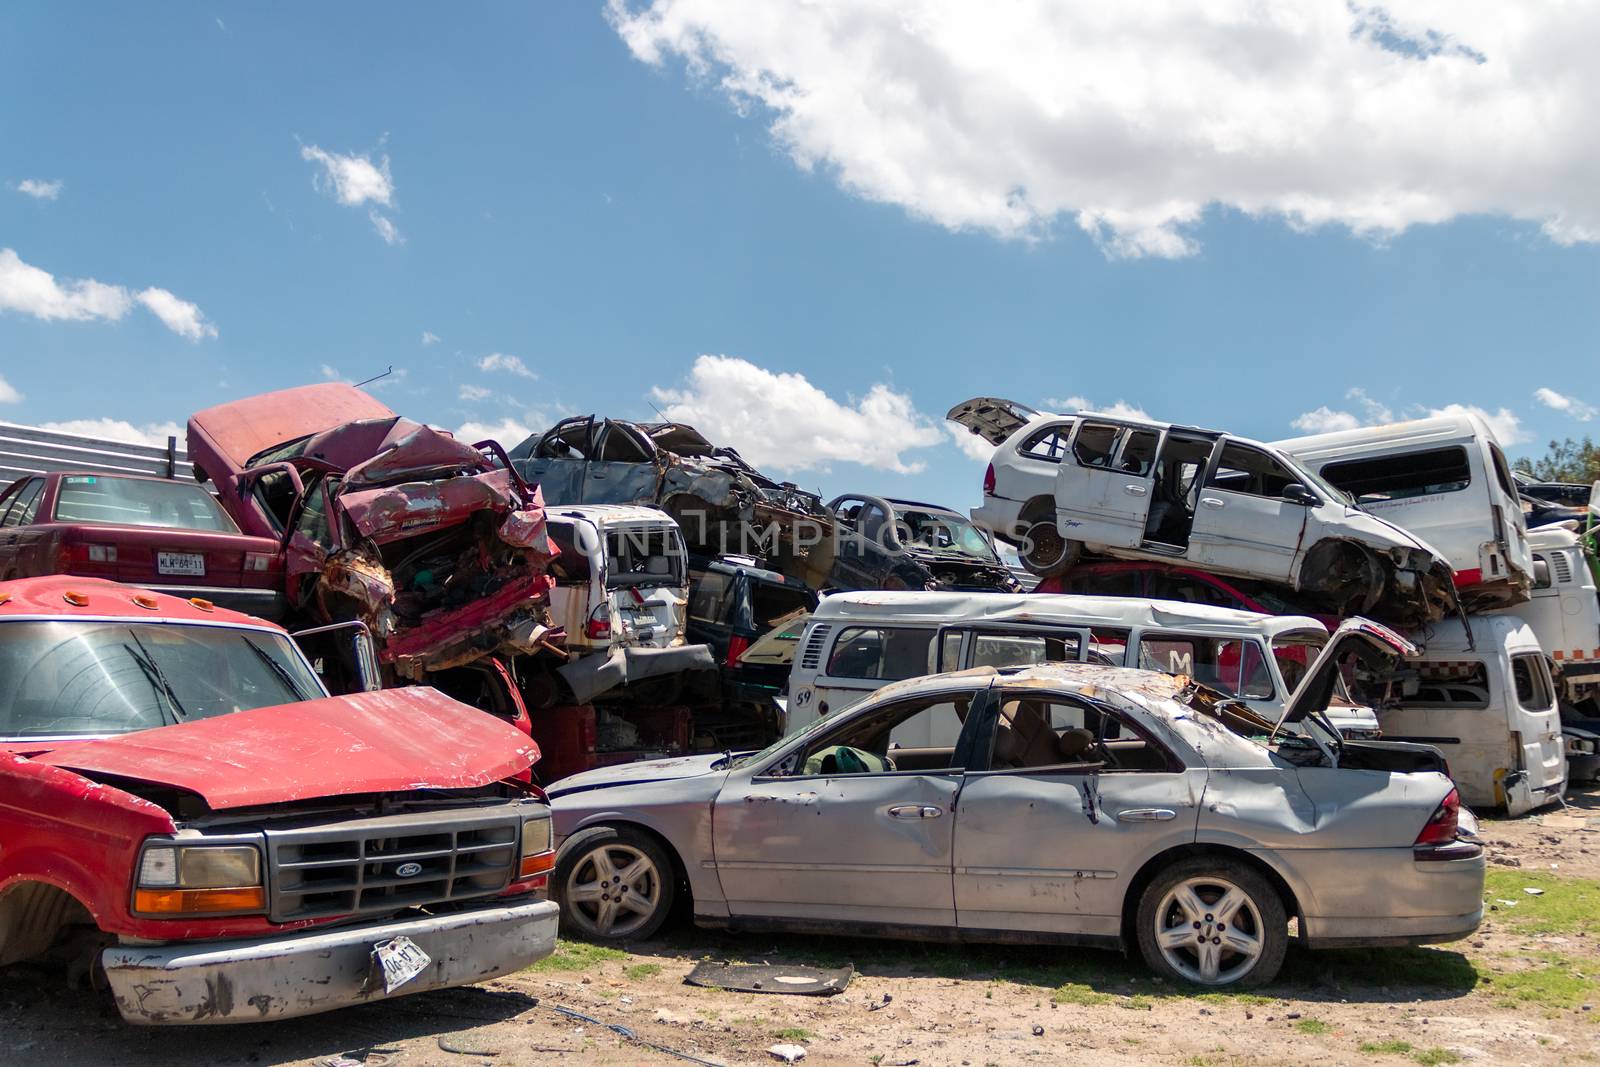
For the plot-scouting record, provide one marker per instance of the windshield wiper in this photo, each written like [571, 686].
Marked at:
[153, 674]
[277, 668]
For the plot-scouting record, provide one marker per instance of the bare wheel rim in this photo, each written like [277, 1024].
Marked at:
[1048, 544]
[1209, 930]
[614, 890]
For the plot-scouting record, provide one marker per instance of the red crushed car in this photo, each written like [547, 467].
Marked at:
[140, 529]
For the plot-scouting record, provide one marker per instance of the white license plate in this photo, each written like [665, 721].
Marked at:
[400, 960]
[180, 563]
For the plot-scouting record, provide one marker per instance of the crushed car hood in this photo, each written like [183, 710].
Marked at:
[242, 429]
[397, 739]
[659, 770]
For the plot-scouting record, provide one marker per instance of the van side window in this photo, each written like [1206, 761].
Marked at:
[1438, 470]
[1462, 685]
[1532, 679]
[881, 653]
[1049, 443]
[1542, 579]
[1107, 646]
[1045, 730]
[571, 567]
[1017, 650]
[1235, 667]
[1139, 452]
[1095, 443]
[705, 603]
[1250, 470]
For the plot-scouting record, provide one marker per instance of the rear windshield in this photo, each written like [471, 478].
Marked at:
[644, 555]
[769, 603]
[66, 679]
[705, 602]
[1532, 679]
[140, 502]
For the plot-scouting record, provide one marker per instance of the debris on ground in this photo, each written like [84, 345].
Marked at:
[765, 978]
[787, 1053]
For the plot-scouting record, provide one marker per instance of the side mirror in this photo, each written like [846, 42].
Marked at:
[1296, 493]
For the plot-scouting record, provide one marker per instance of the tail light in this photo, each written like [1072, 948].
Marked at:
[75, 555]
[599, 624]
[102, 553]
[1440, 829]
[737, 646]
[256, 562]
[988, 480]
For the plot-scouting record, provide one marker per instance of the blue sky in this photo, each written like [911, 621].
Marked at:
[607, 220]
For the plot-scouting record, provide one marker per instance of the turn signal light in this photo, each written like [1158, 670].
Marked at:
[199, 901]
[543, 863]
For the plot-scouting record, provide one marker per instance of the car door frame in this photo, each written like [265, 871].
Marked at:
[1225, 548]
[1081, 490]
[756, 795]
[295, 568]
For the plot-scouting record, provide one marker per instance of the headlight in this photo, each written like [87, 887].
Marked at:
[199, 879]
[537, 856]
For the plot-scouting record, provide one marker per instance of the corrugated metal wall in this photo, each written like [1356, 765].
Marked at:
[30, 450]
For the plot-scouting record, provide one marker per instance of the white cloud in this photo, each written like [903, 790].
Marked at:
[1566, 404]
[34, 291]
[1503, 423]
[971, 445]
[499, 361]
[429, 338]
[1131, 121]
[151, 433]
[474, 393]
[392, 377]
[783, 422]
[509, 432]
[386, 229]
[180, 316]
[1121, 409]
[9, 393]
[1325, 420]
[39, 190]
[333, 374]
[352, 180]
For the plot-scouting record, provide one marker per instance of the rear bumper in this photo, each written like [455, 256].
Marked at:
[598, 673]
[319, 970]
[1385, 896]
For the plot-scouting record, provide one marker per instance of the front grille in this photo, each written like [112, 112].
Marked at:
[389, 863]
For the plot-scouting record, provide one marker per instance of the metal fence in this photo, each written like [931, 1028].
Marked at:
[29, 450]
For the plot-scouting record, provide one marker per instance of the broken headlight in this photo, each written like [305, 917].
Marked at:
[210, 879]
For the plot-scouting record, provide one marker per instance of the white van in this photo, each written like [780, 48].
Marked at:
[1489, 705]
[856, 643]
[1444, 480]
[621, 589]
[1564, 611]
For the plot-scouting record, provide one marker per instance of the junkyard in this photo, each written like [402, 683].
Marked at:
[1038, 664]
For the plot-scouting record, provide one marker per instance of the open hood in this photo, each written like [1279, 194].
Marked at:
[991, 418]
[394, 740]
[1364, 638]
[243, 429]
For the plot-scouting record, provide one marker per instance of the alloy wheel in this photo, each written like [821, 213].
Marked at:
[1209, 930]
[616, 889]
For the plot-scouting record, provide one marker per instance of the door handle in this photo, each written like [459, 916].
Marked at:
[1211, 502]
[1135, 490]
[1147, 815]
[914, 811]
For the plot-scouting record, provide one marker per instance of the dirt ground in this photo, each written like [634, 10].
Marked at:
[1524, 989]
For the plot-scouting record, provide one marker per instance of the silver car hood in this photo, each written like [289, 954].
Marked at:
[658, 770]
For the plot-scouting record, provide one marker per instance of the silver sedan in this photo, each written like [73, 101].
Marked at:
[1081, 804]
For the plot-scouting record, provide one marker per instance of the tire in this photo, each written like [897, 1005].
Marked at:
[1049, 554]
[586, 884]
[1348, 576]
[1209, 882]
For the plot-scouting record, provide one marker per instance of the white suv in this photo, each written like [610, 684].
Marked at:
[1060, 485]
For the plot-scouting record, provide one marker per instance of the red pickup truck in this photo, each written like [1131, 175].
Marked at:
[182, 801]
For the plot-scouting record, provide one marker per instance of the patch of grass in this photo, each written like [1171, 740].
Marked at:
[1313, 1026]
[1555, 983]
[1078, 993]
[640, 971]
[1567, 905]
[1432, 1057]
[1138, 1003]
[578, 956]
[795, 1033]
[1393, 1047]
[1241, 997]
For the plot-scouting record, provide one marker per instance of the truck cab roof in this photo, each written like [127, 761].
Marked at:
[64, 596]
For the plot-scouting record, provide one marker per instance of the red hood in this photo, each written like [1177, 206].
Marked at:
[398, 739]
[241, 429]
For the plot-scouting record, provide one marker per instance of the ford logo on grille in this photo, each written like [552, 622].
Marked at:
[408, 870]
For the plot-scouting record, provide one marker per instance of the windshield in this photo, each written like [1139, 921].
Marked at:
[815, 726]
[1314, 480]
[140, 502]
[947, 533]
[89, 679]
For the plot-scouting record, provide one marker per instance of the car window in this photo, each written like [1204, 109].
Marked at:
[1379, 478]
[1542, 580]
[1532, 680]
[894, 737]
[1087, 582]
[99, 498]
[1462, 684]
[705, 603]
[1095, 443]
[770, 601]
[621, 445]
[1048, 443]
[644, 555]
[1019, 650]
[1502, 471]
[24, 504]
[1138, 452]
[1243, 469]
[313, 521]
[1034, 730]
[1108, 646]
[1234, 666]
[571, 566]
[881, 653]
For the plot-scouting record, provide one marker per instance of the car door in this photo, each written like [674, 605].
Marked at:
[311, 539]
[1103, 488]
[834, 829]
[1065, 802]
[860, 562]
[623, 467]
[1244, 524]
[18, 508]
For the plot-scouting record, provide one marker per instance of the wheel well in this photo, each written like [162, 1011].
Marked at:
[1042, 506]
[1159, 862]
[33, 915]
[679, 872]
